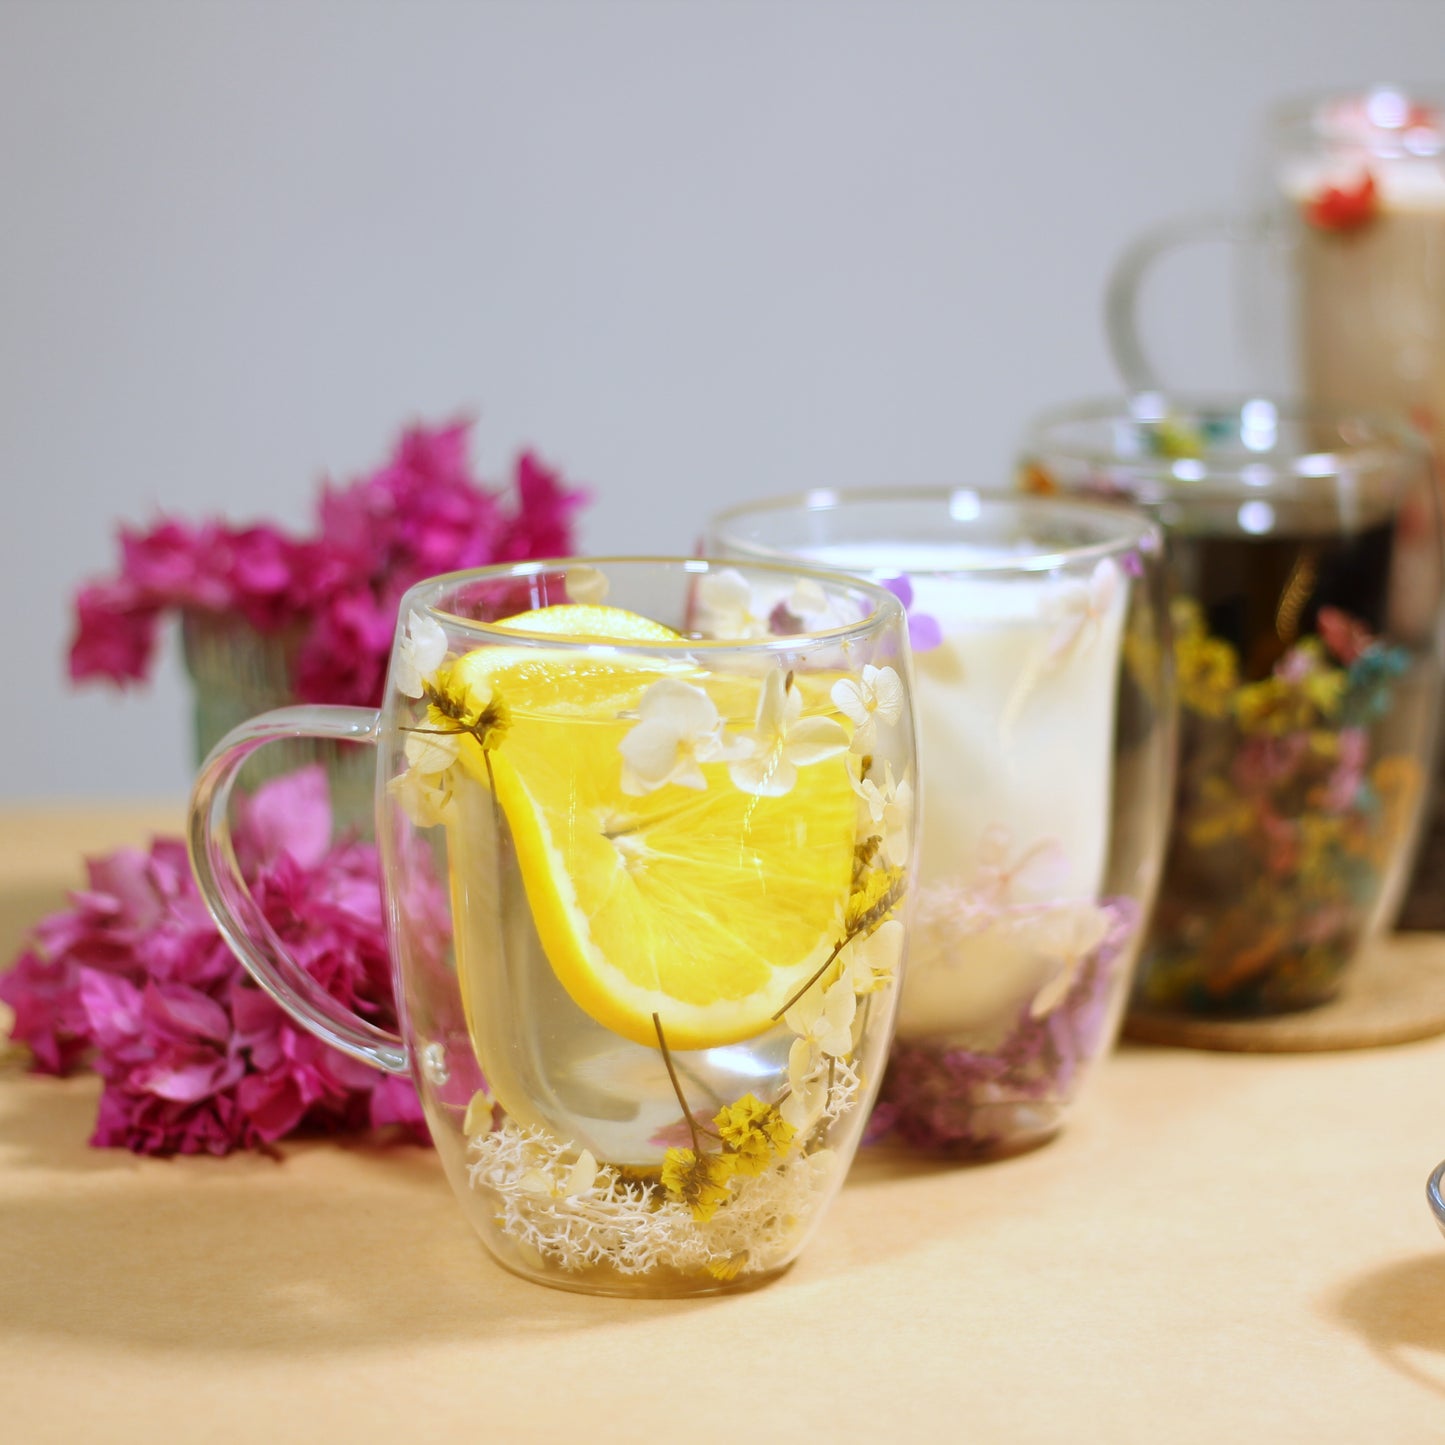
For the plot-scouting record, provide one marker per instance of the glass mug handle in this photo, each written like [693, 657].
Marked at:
[252, 939]
[1121, 298]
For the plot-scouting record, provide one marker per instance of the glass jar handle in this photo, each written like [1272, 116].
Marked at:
[1121, 298]
[242, 925]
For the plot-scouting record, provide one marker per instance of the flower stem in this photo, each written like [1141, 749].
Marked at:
[822, 969]
[677, 1086]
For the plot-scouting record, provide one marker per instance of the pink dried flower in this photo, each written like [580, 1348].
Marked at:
[115, 634]
[422, 513]
[195, 1058]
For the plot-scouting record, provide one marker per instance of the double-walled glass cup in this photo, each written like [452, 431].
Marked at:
[1341, 257]
[646, 921]
[1046, 714]
[1305, 557]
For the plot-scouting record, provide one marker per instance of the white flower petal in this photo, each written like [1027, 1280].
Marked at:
[687, 708]
[806, 1012]
[848, 698]
[586, 585]
[429, 751]
[650, 757]
[808, 599]
[582, 1175]
[803, 1107]
[814, 739]
[803, 1061]
[764, 774]
[887, 688]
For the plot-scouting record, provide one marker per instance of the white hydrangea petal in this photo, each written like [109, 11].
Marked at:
[887, 689]
[804, 1106]
[805, 1012]
[431, 751]
[802, 1061]
[587, 586]
[808, 599]
[680, 704]
[764, 774]
[848, 698]
[649, 757]
[814, 739]
[422, 649]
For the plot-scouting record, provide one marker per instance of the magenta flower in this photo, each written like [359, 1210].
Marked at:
[134, 979]
[422, 513]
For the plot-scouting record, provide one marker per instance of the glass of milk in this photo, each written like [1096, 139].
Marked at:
[1044, 696]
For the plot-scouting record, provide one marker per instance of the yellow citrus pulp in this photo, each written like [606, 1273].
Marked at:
[708, 908]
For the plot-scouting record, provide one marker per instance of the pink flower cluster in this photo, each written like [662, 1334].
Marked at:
[421, 514]
[135, 980]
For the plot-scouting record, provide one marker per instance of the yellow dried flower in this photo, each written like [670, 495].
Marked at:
[699, 1180]
[1176, 439]
[729, 1268]
[1222, 814]
[755, 1131]
[1208, 672]
[1273, 707]
[872, 899]
[1186, 617]
[462, 702]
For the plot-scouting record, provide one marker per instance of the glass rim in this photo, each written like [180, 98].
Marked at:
[1305, 112]
[1129, 530]
[885, 608]
[1388, 441]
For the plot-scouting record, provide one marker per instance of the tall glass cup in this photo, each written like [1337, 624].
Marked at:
[1305, 557]
[645, 926]
[1046, 709]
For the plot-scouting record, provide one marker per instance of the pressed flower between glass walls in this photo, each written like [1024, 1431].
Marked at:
[647, 1052]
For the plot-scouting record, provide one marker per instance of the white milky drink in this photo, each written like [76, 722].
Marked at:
[1016, 712]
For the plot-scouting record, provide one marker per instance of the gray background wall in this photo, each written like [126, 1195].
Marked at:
[694, 252]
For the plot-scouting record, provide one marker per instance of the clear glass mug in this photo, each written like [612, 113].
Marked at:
[1341, 273]
[1046, 716]
[1304, 549]
[646, 930]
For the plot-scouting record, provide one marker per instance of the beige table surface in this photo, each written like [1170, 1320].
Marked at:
[1220, 1247]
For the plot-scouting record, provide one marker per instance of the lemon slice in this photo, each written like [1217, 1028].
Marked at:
[708, 908]
[585, 619]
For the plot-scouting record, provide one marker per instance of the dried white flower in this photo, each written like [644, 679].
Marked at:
[422, 649]
[586, 585]
[725, 607]
[783, 740]
[877, 696]
[679, 730]
[1078, 610]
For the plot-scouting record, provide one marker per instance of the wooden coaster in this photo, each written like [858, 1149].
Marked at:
[1394, 993]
